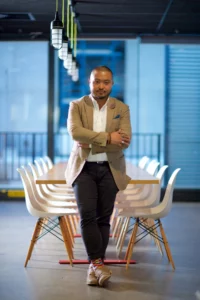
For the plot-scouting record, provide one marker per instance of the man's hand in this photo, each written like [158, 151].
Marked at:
[85, 146]
[120, 138]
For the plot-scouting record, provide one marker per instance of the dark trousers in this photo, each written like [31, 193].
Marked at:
[95, 191]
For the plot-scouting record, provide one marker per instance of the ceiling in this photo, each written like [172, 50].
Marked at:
[99, 19]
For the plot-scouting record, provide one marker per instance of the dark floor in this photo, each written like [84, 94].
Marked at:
[151, 278]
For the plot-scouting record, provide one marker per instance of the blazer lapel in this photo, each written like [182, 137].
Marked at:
[89, 112]
[110, 113]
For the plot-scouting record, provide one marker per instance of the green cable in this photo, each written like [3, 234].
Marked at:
[63, 11]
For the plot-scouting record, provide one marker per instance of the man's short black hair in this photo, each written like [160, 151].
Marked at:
[102, 68]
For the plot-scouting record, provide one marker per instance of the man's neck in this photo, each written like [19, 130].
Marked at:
[101, 102]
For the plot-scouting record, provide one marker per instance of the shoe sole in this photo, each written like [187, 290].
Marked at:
[103, 281]
[92, 283]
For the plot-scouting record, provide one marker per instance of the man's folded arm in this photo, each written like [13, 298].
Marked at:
[81, 134]
[125, 126]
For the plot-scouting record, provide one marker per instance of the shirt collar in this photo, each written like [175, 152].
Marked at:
[96, 104]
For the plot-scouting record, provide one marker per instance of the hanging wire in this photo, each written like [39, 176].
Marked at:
[75, 38]
[68, 17]
[56, 5]
[72, 30]
[63, 12]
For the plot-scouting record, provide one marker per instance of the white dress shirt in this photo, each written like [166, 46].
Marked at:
[99, 125]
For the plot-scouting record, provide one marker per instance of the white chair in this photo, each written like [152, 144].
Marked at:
[52, 187]
[136, 189]
[141, 191]
[129, 201]
[143, 162]
[155, 213]
[45, 190]
[41, 211]
[144, 199]
[149, 196]
[45, 165]
[50, 200]
[49, 162]
[152, 167]
[47, 194]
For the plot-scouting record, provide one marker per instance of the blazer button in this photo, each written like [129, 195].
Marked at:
[110, 162]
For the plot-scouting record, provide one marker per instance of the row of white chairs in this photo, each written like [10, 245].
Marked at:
[53, 207]
[135, 199]
[141, 202]
[143, 205]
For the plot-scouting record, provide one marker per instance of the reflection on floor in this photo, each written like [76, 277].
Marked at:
[151, 278]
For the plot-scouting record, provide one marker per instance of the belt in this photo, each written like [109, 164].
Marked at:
[98, 162]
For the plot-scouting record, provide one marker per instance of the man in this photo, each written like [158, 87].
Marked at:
[100, 126]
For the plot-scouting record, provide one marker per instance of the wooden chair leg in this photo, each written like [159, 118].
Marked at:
[113, 219]
[71, 235]
[69, 238]
[121, 232]
[157, 242]
[129, 243]
[119, 228]
[35, 235]
[167, 248]
[65, 238]
[76, 221]
[132, 242]
[116, 228]
[44, 221]
[73, 225]
[124, 236]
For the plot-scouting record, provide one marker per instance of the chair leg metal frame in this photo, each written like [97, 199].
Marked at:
[57, 224]
[148, 230]
[49, 229]
[157, 241]
[141, 223]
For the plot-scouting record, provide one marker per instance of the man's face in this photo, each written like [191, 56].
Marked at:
[100, 83]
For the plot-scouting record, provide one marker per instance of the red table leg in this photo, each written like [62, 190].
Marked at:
[106, 262]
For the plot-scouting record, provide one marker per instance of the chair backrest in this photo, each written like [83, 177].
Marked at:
[31, 181]
[160, 176]
[43, 202]
[166, 204]
[44, 165]
[41, 188]
[143, 162]
[39, 168]
[49, 161]
[152, 167]
[34, 171]
[32, 206]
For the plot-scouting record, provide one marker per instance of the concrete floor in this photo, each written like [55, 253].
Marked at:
[151, 278]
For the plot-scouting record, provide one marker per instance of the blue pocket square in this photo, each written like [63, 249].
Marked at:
[117, 117]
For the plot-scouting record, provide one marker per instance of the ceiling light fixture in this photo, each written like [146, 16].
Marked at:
[63, 52]
[56, 30]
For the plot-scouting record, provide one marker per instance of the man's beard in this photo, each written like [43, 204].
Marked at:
[101, 97]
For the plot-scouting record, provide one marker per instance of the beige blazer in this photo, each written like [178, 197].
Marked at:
[80, 127]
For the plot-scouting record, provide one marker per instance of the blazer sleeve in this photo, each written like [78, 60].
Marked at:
[125, 126]
[81, 134]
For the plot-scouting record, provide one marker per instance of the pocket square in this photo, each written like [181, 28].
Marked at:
[117, 117]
